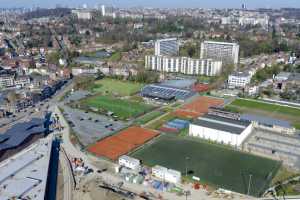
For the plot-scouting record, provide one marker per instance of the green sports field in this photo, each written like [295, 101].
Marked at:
[281, 112]
[124, 109]
[118, 87]
[216, 165]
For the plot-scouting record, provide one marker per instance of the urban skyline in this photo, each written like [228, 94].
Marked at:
[165, 4]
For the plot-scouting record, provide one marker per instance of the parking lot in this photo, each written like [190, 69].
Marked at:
[277, 146]
[91, 127]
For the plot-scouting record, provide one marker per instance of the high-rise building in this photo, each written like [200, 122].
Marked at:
[103, 10]
[226, 52]
[184, 65]
[244, 6]
[167, 47]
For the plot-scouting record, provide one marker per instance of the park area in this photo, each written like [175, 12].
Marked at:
[270, 110]
[216, 165]
[125, 141]
[122, 108]
[116, 87]
[198, 107]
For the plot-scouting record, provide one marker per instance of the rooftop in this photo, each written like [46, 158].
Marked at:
[221, 43]
[266, 120]
[14, 136]
[222, 123]
[24, 176]
[240, 74]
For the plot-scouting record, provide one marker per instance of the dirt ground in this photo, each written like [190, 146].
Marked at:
[92, 191]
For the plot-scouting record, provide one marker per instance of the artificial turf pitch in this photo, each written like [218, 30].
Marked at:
[122, 108]
[216, 165]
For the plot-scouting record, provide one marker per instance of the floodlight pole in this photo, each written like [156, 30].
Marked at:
[250, 178]
[186, 165]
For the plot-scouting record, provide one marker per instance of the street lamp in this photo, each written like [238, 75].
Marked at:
[186, 165]
[250, 178]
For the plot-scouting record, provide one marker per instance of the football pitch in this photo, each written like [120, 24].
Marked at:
[122, 108]
[119, 87]
[277, 111]
[215, 165]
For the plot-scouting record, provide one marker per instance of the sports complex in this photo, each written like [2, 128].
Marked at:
[216, 165]
[158, 134]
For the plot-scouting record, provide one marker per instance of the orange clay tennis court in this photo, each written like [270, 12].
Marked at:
[198, 107]
[127, 140]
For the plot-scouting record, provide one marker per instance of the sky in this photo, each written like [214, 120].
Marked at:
[156, 3]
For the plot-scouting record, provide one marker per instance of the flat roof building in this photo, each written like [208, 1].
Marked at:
[184, 65]
[220, 129]
[165, 174]
[167, 47]
[239, 79]
[129, 162]
[24, 176]
[224, 51]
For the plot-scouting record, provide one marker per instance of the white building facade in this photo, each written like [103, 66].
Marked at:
[221, 130]
[184, 65]
[167, 47]
[226, 52]
[239, 79]
[165, 174]
[83, 14]
[129, 162]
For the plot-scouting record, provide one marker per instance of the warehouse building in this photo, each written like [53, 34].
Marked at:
[24, 175]
[165, 174]
[129, 162]
[221, 129]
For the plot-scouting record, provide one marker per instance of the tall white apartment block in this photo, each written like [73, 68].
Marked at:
[227, 52]
[103, 10]
[183, 65]
[167, 47]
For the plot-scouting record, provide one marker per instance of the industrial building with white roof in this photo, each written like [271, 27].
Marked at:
[221, 129]
[24, 176]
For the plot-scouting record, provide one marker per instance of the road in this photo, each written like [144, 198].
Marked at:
[67, 175]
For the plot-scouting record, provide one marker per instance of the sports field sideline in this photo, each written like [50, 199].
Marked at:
[214, 164]
[268, 109]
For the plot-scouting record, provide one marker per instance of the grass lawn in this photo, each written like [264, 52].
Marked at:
[148, 117]
[112, 86]
[124, 109]
[158, 123]
[277, 111]
[116, 56]
[216, 165]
